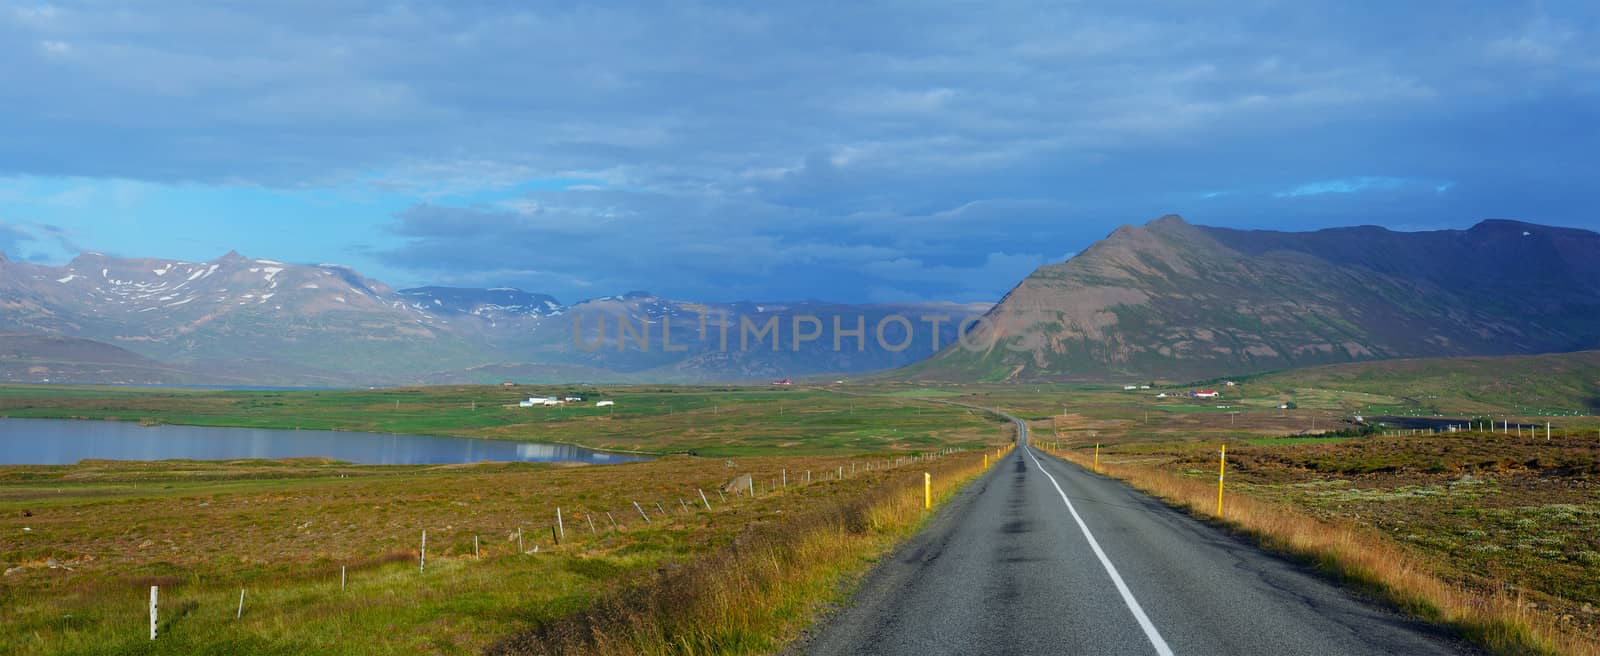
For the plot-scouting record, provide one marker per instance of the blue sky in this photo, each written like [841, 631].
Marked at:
[851, 151]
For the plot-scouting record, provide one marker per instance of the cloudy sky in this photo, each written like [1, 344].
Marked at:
[859, 151]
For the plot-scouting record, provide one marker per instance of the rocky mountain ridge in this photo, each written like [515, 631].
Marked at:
[1173, 300]
[241, 318]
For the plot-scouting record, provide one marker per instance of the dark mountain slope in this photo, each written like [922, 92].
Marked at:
[51, 359]
[1173, 300]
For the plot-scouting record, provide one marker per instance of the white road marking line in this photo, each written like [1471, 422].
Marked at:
[1127, 595]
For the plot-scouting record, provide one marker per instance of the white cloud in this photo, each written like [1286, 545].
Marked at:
[1361, 184]
[37, 14]
[1541, 40]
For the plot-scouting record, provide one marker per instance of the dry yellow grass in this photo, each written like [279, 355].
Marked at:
[762, 589]
[1361, 557]
[101, 533]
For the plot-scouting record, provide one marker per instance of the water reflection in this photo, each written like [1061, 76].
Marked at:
[65, 441]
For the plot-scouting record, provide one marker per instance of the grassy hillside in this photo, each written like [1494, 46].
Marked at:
[1554, 384]
[1558, 388]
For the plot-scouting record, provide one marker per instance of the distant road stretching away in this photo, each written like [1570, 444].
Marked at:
[1042, 557]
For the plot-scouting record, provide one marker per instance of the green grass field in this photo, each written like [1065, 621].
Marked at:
[1561, 384]
[1294, 441]
[84, 542]
[1487, 510]
[702, 420]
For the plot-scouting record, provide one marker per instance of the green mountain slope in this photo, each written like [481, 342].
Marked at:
[1532, 384]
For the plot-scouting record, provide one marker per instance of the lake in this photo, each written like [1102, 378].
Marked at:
[66, 441]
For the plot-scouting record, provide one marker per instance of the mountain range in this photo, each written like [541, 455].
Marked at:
[1171, 300]
[239, 320]
[1163, 301]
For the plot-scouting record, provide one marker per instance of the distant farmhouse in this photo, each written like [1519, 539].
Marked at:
[545, 401]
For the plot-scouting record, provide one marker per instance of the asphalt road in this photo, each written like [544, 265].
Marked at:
[1042, 557]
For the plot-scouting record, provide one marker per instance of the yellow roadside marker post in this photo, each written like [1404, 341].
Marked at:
[1222, 470]
[927, 491]
[1097, 457]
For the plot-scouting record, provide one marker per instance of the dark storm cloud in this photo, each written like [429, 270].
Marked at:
[578, 244]
[848, 150]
